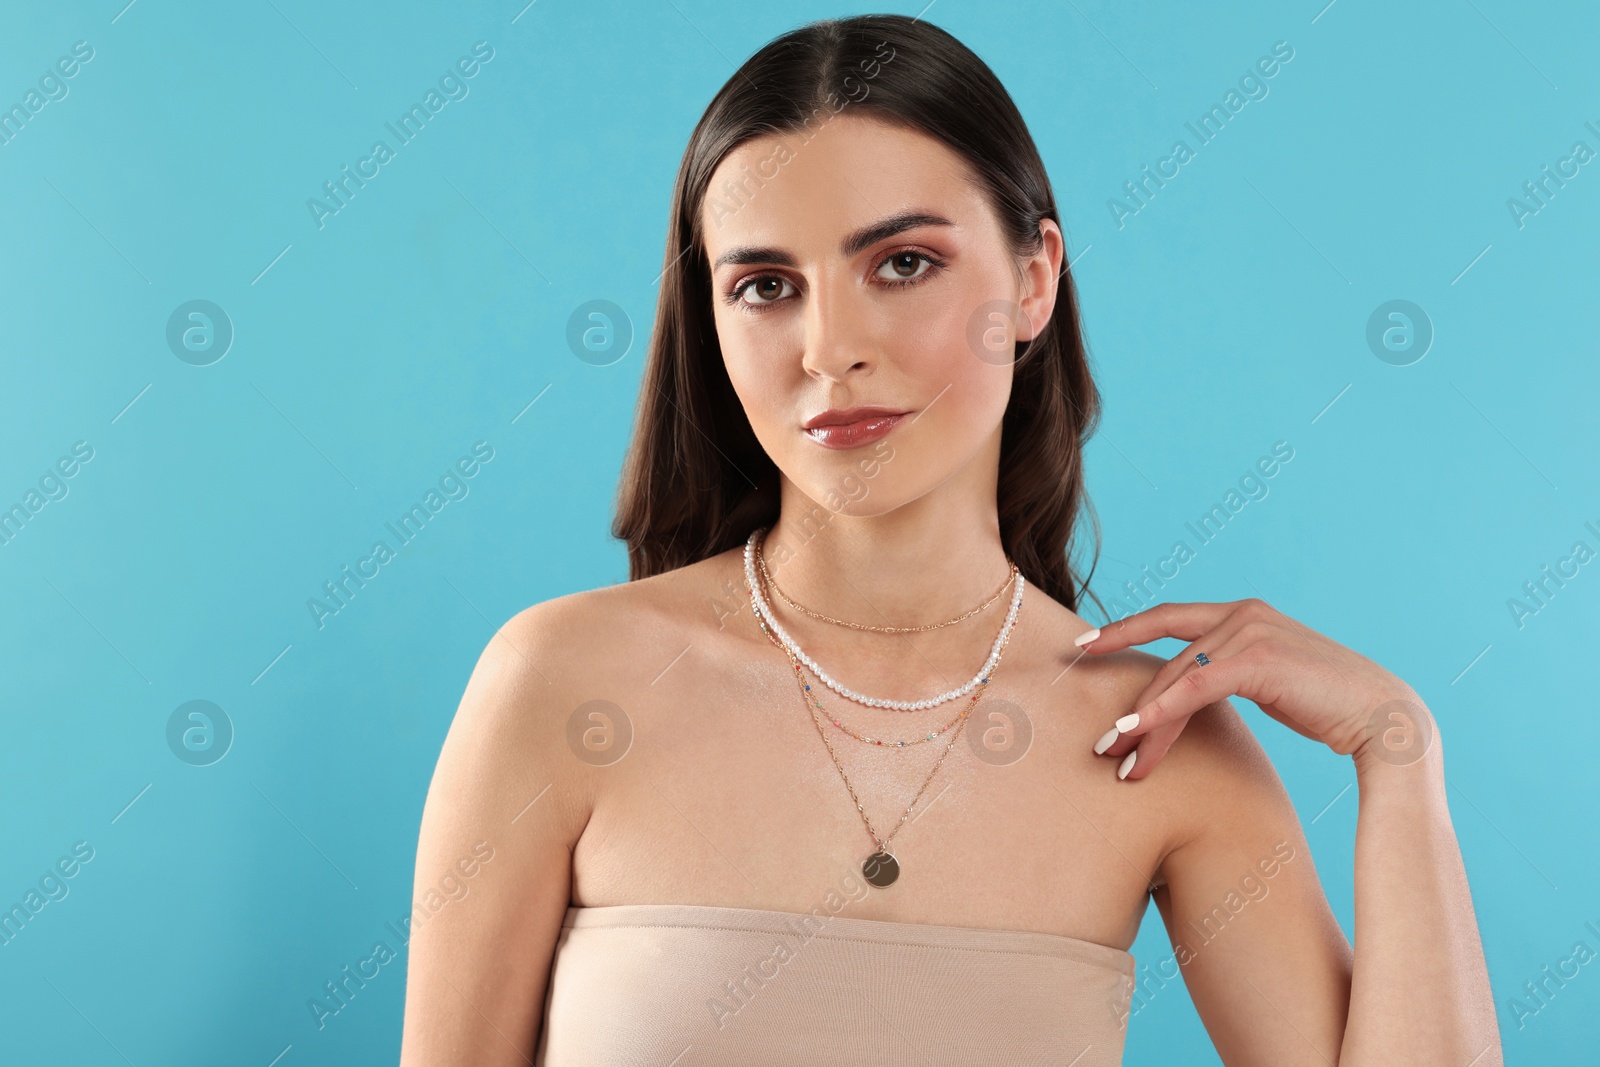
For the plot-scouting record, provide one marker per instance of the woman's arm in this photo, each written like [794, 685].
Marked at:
[1419, 988]
[1420, 991]
[508, 803]
[1262, 956]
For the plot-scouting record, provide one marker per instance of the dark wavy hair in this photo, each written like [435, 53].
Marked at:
[696, 481]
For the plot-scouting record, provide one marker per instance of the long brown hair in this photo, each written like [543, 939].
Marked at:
[696, 481]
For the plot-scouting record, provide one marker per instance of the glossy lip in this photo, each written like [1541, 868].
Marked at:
[852, 427]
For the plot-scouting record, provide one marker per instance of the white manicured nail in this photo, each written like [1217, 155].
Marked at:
[1128, 722]
[1127, 764]
[1085, 637]
[1106, 740]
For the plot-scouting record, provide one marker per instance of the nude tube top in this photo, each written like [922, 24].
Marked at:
[694, 986]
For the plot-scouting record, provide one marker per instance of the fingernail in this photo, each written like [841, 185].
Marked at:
[1127, 764]
[1085, 637]
[1128, 722]
[1106, 740]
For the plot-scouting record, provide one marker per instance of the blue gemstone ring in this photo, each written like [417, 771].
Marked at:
[1201, 658]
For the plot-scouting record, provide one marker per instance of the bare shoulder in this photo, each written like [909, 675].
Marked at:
[524, 732]
[513, 786]
[1214, 779]
[590, 628]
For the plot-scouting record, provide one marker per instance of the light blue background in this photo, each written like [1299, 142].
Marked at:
[429, 313]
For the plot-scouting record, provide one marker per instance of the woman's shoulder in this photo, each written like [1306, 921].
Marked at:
[1214, 780]
[560, 661]
[589, 629]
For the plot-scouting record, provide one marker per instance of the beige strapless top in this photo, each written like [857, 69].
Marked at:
[692, 986]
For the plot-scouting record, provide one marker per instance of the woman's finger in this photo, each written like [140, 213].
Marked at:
[1184, 621]
[1185, 661]
[1230, 670]
[1151, 746]
[1148, 750]
[1113, 743]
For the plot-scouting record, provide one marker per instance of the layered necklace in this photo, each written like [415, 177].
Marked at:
[764, 613]
[881, 868]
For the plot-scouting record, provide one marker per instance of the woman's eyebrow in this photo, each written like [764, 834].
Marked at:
[853, 243]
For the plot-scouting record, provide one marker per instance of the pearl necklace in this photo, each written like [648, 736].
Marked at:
[759, 601]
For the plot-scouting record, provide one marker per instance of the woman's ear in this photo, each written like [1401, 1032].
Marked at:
[1040, 274]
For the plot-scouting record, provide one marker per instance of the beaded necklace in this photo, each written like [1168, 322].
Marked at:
[810, 698]
[752, 549]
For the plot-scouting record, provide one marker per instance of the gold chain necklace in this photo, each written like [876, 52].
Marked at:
[881, 868]
[761, 561]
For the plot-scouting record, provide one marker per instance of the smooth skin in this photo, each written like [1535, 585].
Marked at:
[704, 781]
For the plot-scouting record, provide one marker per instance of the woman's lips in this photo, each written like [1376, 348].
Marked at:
[854, 434]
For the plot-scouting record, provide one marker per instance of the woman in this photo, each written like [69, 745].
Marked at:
[755, 806]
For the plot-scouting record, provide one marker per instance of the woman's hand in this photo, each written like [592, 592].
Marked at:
[1311, 684]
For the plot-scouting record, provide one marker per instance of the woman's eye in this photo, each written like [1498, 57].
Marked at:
[768, 289]
[905, 267]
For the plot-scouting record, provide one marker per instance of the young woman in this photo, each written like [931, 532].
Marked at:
[841, 775]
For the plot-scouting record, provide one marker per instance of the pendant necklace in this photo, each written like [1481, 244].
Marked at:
[882, 868]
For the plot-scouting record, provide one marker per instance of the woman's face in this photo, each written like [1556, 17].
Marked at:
[865, 268]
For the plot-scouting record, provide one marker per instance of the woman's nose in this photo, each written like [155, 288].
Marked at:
[838, 334]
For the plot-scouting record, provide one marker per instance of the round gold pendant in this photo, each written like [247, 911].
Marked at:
[881, 869]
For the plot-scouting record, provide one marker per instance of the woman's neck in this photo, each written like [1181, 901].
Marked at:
[915, 566]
